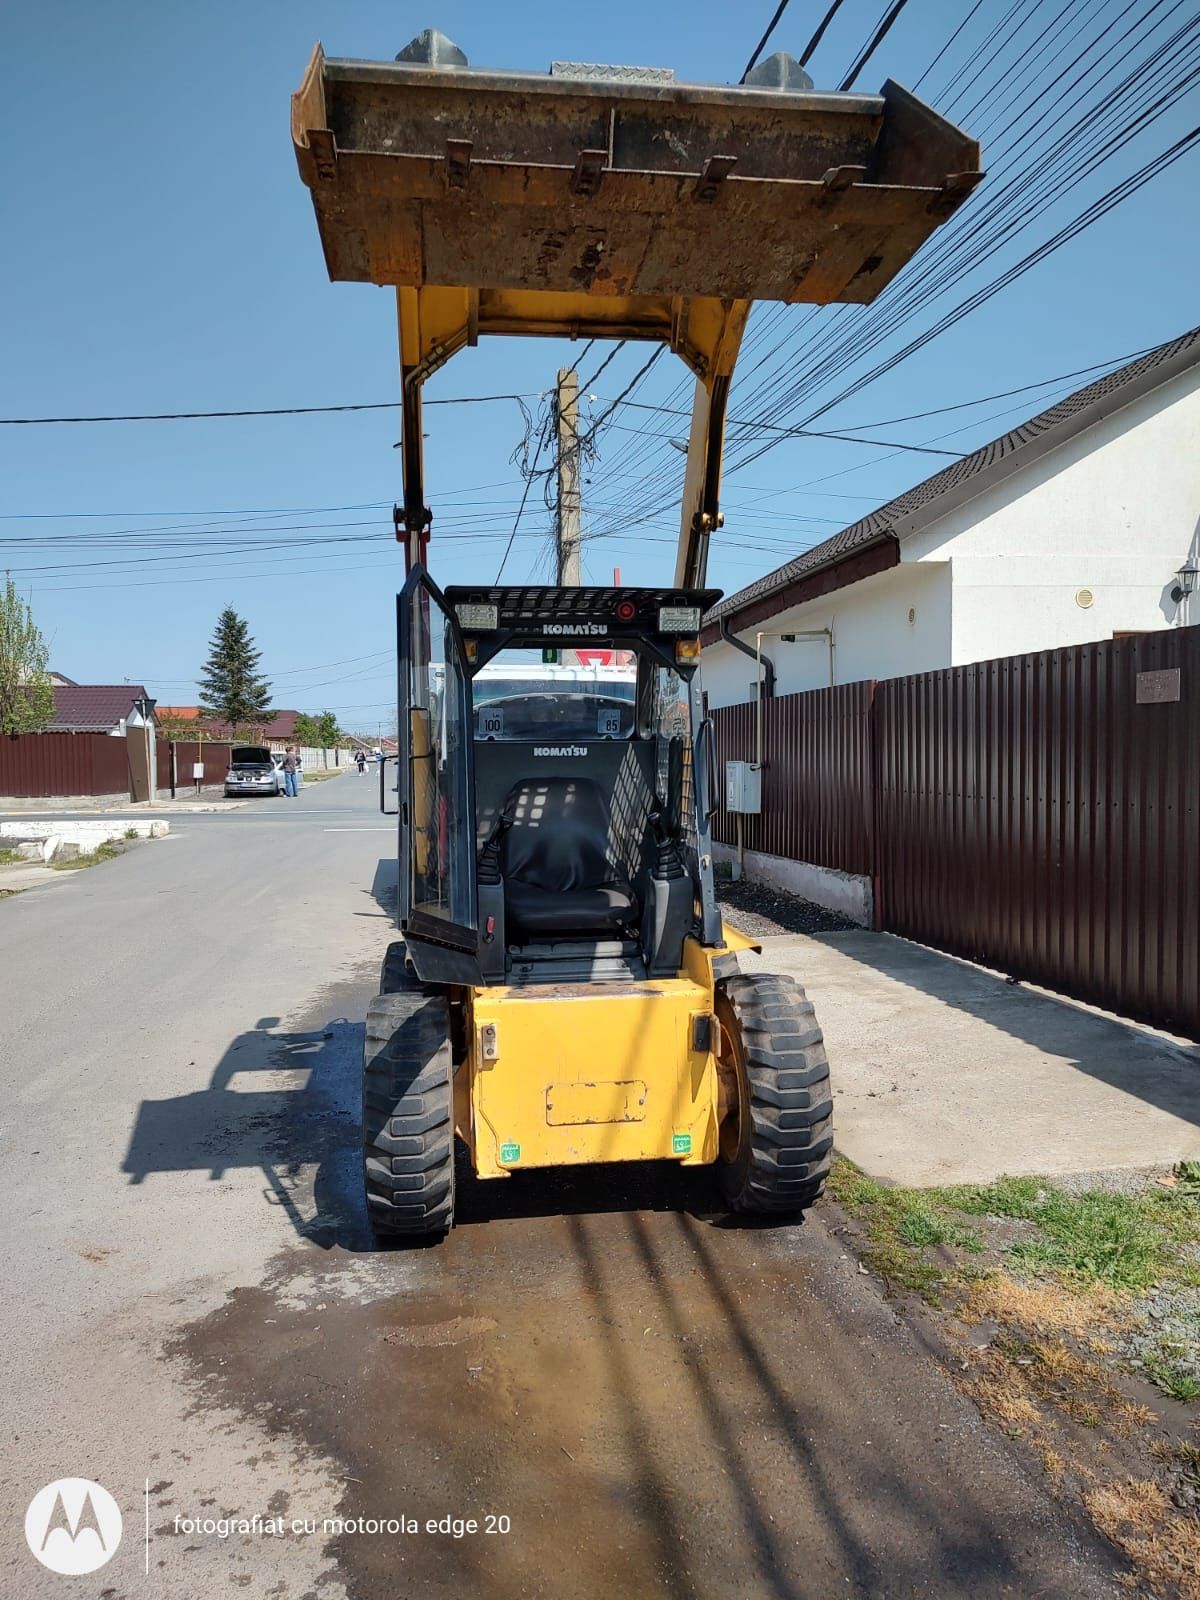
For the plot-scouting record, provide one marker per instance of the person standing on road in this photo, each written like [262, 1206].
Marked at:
[291, 772]
[360, 761]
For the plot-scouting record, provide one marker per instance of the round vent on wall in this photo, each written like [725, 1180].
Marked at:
[1084, 598]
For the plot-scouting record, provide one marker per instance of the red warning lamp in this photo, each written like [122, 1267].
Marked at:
[626, 610]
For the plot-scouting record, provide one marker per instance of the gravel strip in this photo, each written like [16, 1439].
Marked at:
[761, 911]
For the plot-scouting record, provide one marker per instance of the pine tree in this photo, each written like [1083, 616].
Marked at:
[231, 688]
[26, 696]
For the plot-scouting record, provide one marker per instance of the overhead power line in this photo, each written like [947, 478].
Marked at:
[869, 49]
[820, 32]
[257, 411]
[1051, 115]
[532, 473]
[796, 433]
[762, 43]
[615, 351]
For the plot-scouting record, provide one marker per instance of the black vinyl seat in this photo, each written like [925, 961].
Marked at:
[559, 881]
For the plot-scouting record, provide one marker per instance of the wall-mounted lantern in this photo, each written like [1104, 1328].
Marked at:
[1186, 575]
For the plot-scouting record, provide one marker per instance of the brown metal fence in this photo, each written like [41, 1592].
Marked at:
[817, 799]
[1040, 814]
[34, 765]
[214, 756]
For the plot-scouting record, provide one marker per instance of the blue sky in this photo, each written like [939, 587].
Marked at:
[161, 254]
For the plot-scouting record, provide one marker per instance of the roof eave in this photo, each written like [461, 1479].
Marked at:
[877, 554]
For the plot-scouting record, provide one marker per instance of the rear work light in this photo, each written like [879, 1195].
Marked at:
[679, 619]
[479, 618]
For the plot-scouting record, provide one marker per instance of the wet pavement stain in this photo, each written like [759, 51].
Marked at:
[659, 1406]
[642, 1398]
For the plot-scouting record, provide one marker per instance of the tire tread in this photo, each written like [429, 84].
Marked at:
[790, 1105]
[408, 1117]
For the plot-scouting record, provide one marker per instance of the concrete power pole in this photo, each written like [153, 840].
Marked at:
[569, 536]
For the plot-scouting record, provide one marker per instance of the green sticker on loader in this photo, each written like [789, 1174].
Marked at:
[510, 1152]
[681, 1144]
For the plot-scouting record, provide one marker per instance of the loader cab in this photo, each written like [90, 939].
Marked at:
[555, 783]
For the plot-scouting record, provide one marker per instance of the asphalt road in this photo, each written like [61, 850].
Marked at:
[642, 1399]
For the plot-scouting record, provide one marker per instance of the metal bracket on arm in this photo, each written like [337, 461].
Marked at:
[414, 519]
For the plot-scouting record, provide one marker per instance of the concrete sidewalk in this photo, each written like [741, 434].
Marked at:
[16, 879]
[945, 1073]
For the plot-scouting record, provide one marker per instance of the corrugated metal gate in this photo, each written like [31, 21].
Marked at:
[817, 801]
[1039, 813]
[39, 764]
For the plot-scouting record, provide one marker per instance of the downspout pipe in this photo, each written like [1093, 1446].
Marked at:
[768, 669]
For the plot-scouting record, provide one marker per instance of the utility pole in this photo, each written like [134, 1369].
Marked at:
[568, 528]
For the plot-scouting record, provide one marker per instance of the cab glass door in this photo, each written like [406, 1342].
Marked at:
[437, 791]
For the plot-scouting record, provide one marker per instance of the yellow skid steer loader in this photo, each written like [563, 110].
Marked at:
[565, 992]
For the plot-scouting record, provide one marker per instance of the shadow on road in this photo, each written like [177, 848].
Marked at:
[302, 1131]
[305, 1121]
[384, 890]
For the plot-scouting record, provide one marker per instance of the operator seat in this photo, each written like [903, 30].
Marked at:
[559, 881]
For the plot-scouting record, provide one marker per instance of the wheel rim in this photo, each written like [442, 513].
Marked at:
[731, 1074]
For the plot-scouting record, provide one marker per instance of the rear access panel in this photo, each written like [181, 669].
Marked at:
[572, 1074]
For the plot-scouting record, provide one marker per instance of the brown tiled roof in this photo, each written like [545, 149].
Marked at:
[281, 726]
[917, 507]
[92, 707]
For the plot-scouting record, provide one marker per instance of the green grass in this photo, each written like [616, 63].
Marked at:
[104, 852]
[900, 1225]
[1166, 1370]
[1007, 1197]
[8, 857]
[1124, 1241]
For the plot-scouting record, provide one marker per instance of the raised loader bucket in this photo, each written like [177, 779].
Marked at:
[612, 202]
[604, 190]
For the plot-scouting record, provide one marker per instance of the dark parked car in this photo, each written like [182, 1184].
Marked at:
[252, 770]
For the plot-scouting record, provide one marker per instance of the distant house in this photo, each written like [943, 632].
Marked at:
[1071, 528]
[96, 707]
[276, 734]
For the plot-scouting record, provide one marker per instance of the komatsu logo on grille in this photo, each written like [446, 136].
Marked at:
[590, 628]
[560, 750]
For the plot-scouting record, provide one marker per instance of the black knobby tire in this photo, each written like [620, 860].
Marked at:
[408, 1115]
[396, 974]
[784, 1145]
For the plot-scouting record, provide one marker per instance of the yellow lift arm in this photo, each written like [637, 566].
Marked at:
[610, 203]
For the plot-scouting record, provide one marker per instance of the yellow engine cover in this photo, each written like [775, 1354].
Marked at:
[569, 1074]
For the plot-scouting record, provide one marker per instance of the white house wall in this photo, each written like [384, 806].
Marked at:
[1113, 512]
[873, 636]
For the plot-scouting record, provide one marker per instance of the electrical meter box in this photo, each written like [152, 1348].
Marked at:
[743, 786]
